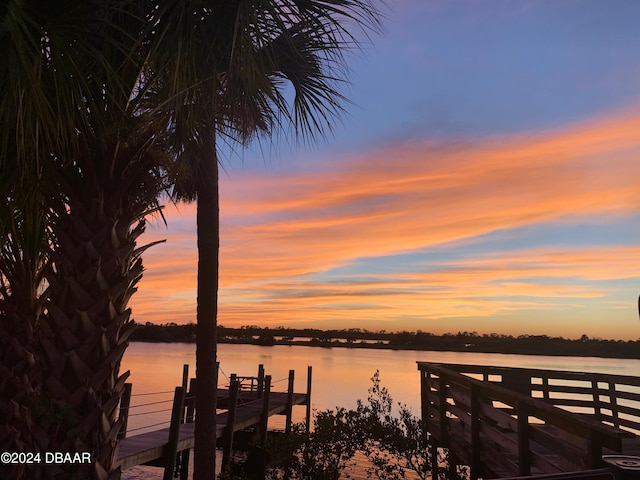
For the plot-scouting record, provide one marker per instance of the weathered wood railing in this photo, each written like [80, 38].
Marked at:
[611, 399]
[499, 430]
[250, 406]
[250, 383]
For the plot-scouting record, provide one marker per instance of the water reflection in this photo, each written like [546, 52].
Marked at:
[340, 375]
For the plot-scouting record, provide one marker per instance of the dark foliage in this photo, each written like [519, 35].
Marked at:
[422, 341]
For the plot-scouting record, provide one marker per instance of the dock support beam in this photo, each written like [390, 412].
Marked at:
[227, 444]
[185, 375]
[260, 385]
[476, 461]
[174, 433]
[524, 453]
[125, 403]
[444, 437]
[289, 411]
[188, 418]
[308, 413]
[264, 419]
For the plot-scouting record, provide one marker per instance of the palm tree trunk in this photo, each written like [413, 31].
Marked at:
[83, 338]
[208, 232]
[19, 384]
[84, 331]
[23, 262]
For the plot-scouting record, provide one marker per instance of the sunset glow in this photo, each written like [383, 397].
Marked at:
[528, 230]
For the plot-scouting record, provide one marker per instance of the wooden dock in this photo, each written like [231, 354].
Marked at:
[245, 407]
[512, 422]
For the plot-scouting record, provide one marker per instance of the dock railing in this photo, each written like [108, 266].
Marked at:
[610, 399]
[246, 402]
[499, 429]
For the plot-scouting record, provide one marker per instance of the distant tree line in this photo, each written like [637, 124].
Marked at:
[404, 340]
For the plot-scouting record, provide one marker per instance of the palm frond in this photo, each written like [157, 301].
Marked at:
[306, 43]
[229, 66]
[69, 70]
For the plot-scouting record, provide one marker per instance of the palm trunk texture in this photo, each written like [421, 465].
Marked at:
[65, 384]
[208, 221]
[19, 379]
[22, 263]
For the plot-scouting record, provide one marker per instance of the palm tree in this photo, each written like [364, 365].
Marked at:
[85, 331]
[73, 129]
[23, 264]
[89, 94]
[228, 66]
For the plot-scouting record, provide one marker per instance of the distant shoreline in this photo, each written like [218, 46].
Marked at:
[418, 341]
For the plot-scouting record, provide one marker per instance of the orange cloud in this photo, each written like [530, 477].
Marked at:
[284, 234]
[492, 285]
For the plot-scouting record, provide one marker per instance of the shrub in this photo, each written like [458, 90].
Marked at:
[321, 454]
[393, 443]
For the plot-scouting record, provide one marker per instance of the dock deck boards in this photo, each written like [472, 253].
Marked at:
[147, 447]
[499, 428]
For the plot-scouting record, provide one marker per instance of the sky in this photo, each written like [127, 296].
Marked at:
[483, 179]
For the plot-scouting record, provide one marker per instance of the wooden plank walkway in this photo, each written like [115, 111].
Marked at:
[246, 405]
[517, 422]
[150, 446]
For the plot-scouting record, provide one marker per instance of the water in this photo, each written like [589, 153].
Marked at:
[340, 375]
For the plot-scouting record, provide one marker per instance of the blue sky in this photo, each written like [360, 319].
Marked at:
[483, 179]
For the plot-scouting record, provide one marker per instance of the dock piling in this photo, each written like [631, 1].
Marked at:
[189, 411]
[174, 433]
[524, 453]
[308, 412]
[185, 375]
[123, 415]
[260, 386]
[264, 419]
[169, 446]
[476, 445]
[289, 402]
[227, 445]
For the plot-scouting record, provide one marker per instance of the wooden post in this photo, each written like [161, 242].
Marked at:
[424, 402]
[475, 434]
[185, 376]
[233, 378]
[260, 380]
[425, 393]
[444, 437]
[227, 445]
[191, 404]
[174, 433]
[289, 412]
[594, 450]
[595, 392]
[188, 418]
[308, 400]
[545, 388]
[524, 455]
[125, 403]
[434, 462]
[264, 418]
[452, 463]
[185, 380]
[444, 433]
[613, 403]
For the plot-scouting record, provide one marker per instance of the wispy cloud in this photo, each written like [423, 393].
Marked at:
[287, 235]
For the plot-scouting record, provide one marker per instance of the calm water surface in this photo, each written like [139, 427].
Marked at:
[340, 375]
